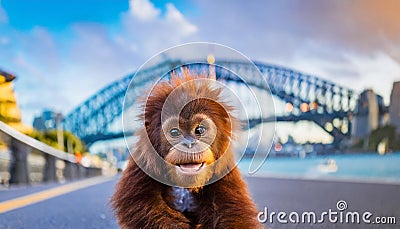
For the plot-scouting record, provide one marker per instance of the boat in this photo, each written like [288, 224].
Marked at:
[328, 166]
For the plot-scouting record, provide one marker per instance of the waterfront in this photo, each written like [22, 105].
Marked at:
[368, 167]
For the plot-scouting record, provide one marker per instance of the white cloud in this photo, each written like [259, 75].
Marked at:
[144, 10]
[352, 70]
[96, 58]
[61, 73]
[379, 71]
[35, 60]
[3, 15]
[99, 57]
[354, 44]
[174, 17]
[323, 38]
[153, 36]
[146, 13]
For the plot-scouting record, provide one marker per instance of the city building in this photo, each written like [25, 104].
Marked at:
[370, 114]
[394, 108]
[9, 110]
[48, 120]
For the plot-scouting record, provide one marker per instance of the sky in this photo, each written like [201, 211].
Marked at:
[64, 51]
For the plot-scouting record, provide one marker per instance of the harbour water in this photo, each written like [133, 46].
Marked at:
[365, 167]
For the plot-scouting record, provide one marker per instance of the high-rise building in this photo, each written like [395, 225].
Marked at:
[48, 120]
[368, 114]
[394, 108]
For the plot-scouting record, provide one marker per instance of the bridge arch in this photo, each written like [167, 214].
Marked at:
[91, 120]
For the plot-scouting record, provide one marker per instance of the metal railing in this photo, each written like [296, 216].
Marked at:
[28, 160]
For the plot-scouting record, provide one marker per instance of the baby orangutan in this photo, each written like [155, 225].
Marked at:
[186, 142]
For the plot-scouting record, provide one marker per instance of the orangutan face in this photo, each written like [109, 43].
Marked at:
[189, 148]
[190, 128]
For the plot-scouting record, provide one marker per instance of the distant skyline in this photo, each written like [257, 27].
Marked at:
[63, 52]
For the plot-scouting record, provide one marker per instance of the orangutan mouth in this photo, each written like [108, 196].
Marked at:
[191, 168]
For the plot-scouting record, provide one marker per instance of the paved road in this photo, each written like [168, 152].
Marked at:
[84, 208]
[88, 207]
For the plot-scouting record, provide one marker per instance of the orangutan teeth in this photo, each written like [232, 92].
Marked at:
[191, 167]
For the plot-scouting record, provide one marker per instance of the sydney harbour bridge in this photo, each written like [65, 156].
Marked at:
[307, 97]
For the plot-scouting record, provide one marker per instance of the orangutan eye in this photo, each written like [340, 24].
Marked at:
[175, 132]
[200, 130]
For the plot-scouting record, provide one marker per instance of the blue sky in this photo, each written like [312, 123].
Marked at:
[25, 15]
[64, 51]
[57, 16]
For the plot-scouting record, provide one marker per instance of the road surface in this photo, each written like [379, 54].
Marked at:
[83, 208]
[85, 204]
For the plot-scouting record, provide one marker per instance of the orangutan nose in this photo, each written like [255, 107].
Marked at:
[189, 141]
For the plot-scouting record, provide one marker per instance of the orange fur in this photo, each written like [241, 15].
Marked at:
[142, 202]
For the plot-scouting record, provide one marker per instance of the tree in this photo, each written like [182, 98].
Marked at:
[385, 133]
[50, 138]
